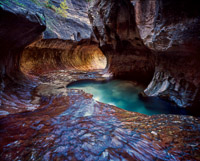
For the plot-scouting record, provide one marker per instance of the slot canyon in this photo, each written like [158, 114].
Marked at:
[46, 46]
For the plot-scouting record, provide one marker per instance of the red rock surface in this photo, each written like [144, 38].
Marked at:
[140, 37]
[171, 29]
[69, 124]
[115, 28]
[43, 120]
[52, 54]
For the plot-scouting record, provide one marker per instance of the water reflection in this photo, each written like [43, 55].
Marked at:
[124, 94]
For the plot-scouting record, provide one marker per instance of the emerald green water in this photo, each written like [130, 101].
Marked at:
[124, 94]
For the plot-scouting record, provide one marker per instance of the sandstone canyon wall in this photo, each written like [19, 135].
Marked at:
[24, 51]
[67, 42]
[138, 38]
[74, 25]
[56, 54]
[171, 29]
[43, 120]
[19, 27]
[115, 27]
[138, 35]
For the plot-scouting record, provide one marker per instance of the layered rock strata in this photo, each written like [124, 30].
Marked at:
[74, 25]
[171, 29]
[19, 27]
[18, 64]
[51, 54]
[138, 35]
[115, 28]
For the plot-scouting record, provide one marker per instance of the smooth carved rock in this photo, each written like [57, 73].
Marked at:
[55, 54]
[30, 18]
[19, 27]
[76, 26]
[76, 127]
[60, 124]
[129, 31]
[115, 28]
[171, 29]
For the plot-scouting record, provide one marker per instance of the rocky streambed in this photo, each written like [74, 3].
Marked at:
[69, 124]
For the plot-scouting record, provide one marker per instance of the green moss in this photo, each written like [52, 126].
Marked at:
[62, 10]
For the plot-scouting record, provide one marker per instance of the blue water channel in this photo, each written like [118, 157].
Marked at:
[124, 94]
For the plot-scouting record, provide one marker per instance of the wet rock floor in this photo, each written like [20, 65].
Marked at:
[47, 121]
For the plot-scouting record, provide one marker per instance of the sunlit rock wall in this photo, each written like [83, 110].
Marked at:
[66, 40]
[55, 54]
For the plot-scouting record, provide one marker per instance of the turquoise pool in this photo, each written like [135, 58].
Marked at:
[124, 94]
